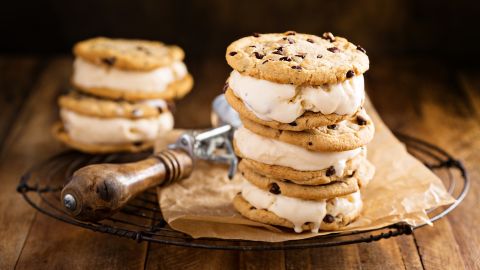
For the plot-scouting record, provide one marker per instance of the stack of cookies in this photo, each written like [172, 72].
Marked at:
[122, 96]
[302, 144]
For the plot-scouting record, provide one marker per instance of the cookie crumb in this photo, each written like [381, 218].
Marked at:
[290, 33]
[329, 36]
[361, 49]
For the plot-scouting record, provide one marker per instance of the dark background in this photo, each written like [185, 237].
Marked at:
[445, 30]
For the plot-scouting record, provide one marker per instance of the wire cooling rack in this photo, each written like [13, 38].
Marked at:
[141, 219]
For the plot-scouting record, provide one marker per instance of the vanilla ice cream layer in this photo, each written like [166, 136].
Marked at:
[95, 130]
[88, 75]
[286, 102]
[275, 152]
[299, 211]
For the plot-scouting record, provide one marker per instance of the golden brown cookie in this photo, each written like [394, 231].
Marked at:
[306, 192]
[345, 135]
[106, 108]
[337, 222]
[308, 120]
[140, 55]
[59, 133]
[299, 59]
[175, 90]
[358, 167]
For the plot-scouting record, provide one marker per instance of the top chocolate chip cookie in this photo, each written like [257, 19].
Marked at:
[125, 54]
[298, 59]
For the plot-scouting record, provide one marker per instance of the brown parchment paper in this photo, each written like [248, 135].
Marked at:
[402, 189]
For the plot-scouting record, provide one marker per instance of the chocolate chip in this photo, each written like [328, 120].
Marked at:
[333, 49]
[264, 61]
[274, 188]
[252, 46]
[290, 40]
[290, 33]
[137, 112]
[328, 218]
[252, 208]
[225, 87]
[350, 74]
[329, 36]
[330, 171]
[258, 55]
[278, 50]
[319, 56]
[256, 34]
[296, 67]
[110, 61]
[310, 40]
[332, 126]
[353, 173]
[138, 144]
[361, 49]
[285, 58]
[232, 53]
[143, 49]
[301, 55]
[310, 143]
[160, 109]
[361, 121]
[293, 124]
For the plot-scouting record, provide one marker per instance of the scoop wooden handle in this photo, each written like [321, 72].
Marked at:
[97, 191]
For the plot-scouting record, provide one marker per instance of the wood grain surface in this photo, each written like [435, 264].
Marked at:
[420, 97]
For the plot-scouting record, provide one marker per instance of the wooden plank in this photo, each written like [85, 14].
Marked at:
[17, 76]
[464, 144]
[262, 260]
[422, 99]
[299, 259]
[172, 257]
[342, 257]
[52, 244]
[27, 143]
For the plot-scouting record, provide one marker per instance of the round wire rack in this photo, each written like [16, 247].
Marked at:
[141, 219]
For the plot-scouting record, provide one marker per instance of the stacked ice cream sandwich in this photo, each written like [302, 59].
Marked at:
[302, 144]
[122, 92]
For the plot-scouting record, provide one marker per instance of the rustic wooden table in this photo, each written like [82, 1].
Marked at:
[422, 98]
